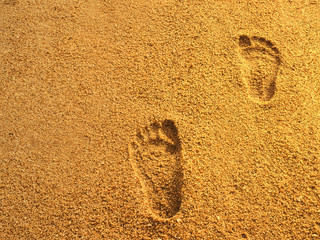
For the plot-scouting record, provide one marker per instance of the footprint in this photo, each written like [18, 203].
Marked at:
[261, 63]
[155, 155]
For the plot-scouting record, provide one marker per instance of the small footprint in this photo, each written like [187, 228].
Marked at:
[155, 155]
[261, 63]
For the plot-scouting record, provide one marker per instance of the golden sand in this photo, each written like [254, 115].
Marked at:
[159, 119]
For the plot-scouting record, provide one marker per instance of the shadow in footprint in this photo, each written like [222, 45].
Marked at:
[260, 68]
[155, 155]
[10, 2]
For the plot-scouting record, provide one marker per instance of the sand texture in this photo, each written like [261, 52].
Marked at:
[159, 119]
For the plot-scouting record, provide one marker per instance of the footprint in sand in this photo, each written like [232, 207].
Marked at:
[155, 155]
[261, 63]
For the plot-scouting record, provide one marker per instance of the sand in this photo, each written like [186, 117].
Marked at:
[160, 119]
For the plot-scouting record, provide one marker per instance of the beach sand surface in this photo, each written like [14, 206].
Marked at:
[159, 119]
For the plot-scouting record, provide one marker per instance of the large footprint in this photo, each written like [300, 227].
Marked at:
[261, 62]
[155, 155]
